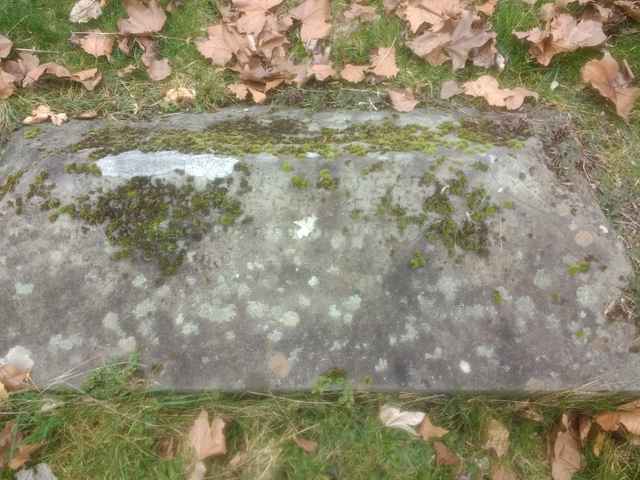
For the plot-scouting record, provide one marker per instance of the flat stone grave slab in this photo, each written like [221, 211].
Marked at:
[250, 249]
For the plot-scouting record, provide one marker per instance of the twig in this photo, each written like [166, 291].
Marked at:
[33, 50]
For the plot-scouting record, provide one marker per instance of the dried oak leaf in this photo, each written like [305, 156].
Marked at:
[467, 38]
[563, 34]
[14, 378]
[613, 82]
[308, 446]
[207, 440]
[157, 68]
[444, 455]
[566, 458]
[612, 421]
[23, 455]
[432, 12]
[7, 84]
[253, 14]
[497, 438]
[88, 78]
[428, 430]
[85, 10]
[488, 7]
[221, 44]
[21, 66]
[630, 8]
[144, 18]
[502, 472]
[240, 90]
[364, 13]
[383, 63]
[94, 43]
[402, 100]
[42, 114]
[487, 87]
[314, 16]
[353, 73]
[5, 46]
[404, 420]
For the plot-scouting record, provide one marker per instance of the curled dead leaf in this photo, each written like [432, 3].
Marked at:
[383, 63]
[42, 114]
[7, 84]
[428, 430]
[314, 15]
[5, 46]
[353, 73]
[444, 455]
[402, 100]
[126, 71]
[450, 88]
[404, 420]
[308, 446]
[566, 458]
[85, 10]
[612, 82]
[87, 115]
[612, 421]
[497, 438]
[240, 90]
[207, 440]
[144, 17]
[180, 96]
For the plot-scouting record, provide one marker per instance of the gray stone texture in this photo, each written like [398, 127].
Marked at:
[309, 285]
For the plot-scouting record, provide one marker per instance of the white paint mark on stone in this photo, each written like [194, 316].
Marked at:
[603, 229]
[23, 289]
[139, 281]
[313, 282]
[290, 319]
[179, 319]
[465, 367]
[147, 164]
[305, 227]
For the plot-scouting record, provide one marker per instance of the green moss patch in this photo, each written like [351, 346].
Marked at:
[83, 168]
[582, 266]
[10, 183]
[417, 261]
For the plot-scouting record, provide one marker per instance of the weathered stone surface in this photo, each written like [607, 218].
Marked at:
[289, 282]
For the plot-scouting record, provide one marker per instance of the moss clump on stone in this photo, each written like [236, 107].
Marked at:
[242, 167]
[417, 261]
[582, 266]
[154, 219]
[480, 166]
[357, 149]
[508, 205]
[326, 180]
[286, 167]
[299, 182]
[39, 188]
[458, 185]
[438, 202]
[497, 297]
[31, 133]
[374, 167]
[10, 183]
[83, 168]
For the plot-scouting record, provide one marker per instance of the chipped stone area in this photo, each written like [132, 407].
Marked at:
[309, 279]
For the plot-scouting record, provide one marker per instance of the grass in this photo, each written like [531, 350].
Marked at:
[113, 428]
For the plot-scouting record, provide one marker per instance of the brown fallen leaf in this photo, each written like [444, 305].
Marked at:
[562, 34]
[180, 96]
[450, 88]
[126, 71]
[7, 84]
[88, 78]
[157, 68]
[42, 114]
[566, 458]
[487, 7]
[12, 377]
[613, 82]
[598, 443]
[383, 63]
[87, 115]
[167, 448]
[23, 455]
[584, 428]
[207, 440]
[3, 393]
[174, 5]
[444, 455]
[308, 446]
[5, 46]
[353, 73]
[612, 421]
[497, 438]
[428, 430]
[240, 90]
[435, 13]
[502, 472]
[630, 8]
[19, 67]
[364, 13]
[144, 18]
[465, 38]
[220, 45]
[85, 10]
[402, 100]
[94, 43]
[487, 87]
[314, 16]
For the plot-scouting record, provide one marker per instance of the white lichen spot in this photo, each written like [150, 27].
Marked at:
[223, 313]
[338, 345]
[251, 266]
[56, 257]
[465, 367]
[410, 333]
[306, 226]
[190, 328]
[334, 313]
[127, 345]
[337, 241]
[525, 307]
[347, 318]
[139, 281]
[304, 301]
[333, 270]
[486, 351]
[436, 355]
[275, 336]
[111, 321]
[145, 308]
[243, 290]
[257, 310]
[448, 286]
[393, 340]
[59, 343]
[381, 366]
[290, 319]
[145, 327]
[230, 336]
[179, 319]
[542, 279]
[586, 297]
[313, 282]
[353, 303]
[19, 357]
[23, 289]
